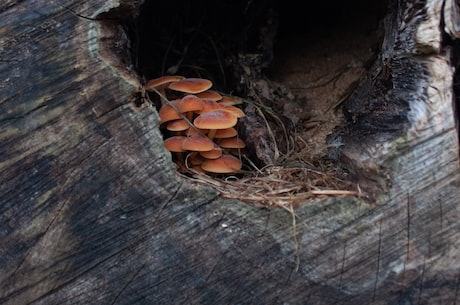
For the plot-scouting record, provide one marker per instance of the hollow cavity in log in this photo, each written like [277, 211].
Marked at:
[293, 68]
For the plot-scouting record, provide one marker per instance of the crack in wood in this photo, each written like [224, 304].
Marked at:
[377, 271]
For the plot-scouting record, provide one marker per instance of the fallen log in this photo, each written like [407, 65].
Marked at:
[93, 211]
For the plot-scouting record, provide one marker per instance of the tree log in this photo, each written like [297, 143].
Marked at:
[92, 210]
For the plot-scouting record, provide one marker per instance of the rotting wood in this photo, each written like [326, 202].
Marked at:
[92, 211]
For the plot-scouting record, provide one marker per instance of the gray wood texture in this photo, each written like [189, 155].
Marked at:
[93, 212]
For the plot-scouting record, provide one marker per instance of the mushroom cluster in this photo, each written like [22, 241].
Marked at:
[200, 123]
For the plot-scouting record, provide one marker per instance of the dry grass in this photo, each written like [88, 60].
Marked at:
[278, 186]
[295, 177]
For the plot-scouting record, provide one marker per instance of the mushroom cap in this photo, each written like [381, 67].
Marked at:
[235, 110]
[197, 143]
[230, 100]
[225, 133]
[174, 143]
[193, 131]
[217, 119]
[214, 153]
[210, 95]
[191, 85]
[162, 80]
[233, 142]
[226, 164]
[168, 113]
[209, 105]
[177, 125]
[189, 103]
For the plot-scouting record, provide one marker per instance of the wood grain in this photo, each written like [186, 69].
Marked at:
[93, 212]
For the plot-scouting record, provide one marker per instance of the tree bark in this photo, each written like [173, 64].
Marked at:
[92, 210]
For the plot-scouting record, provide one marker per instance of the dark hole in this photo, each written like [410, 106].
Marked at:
[199, 38]
[244, 44]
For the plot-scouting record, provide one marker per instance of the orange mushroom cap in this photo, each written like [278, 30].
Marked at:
[218, 119]
[214, 153]
[225, 133]
[233, 142]
[162, 80]
[190, 102]
[209, 105]
[210, 95]
[177, 125]
[198, 143]
[191, 85]
[235, 110]
[168, 113]
[230, 100]
[193, 131]
[226, 164]
[174, 143]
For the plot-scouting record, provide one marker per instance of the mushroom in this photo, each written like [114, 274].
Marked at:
[197, 143]
[235, 110]
[180, 109]
[209, 105]
[233, 142]
[230, 100]
[226, 164]
[226, 133]
[170, 111]
[196, 131]
[214, 117]
[232, 145]
[210, 95]
[174, 143]
[161, 83]
[162, 80]
[191, 85]
[190, 104]
[177, 125]
[217, 119]
[214, 153]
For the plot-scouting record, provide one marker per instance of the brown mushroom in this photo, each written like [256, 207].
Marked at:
[230, 100]
[161, 83]
[209, 105]
[198, 143]
[226, 164]
[186, 106]
[233, 142]
[210, 95]
[190, 104]
[174, 143]
[169, 111]
[214, 153]
[218, 119]
[177, 125]
[226, 133]
[191, 85]
[193, 131]
[235, 110]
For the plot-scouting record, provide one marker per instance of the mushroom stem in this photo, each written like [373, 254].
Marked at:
[212, 133]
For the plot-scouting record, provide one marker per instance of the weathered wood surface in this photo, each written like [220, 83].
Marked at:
[92, 212]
